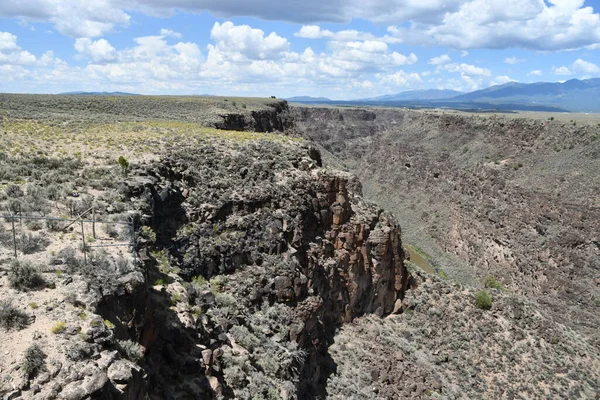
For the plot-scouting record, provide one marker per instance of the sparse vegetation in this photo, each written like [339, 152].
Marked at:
[483, 300]
[11, 317]
[58, 327]
[34, 361]
[492, 283]
[24, 276]
[130, 350]
[124, 164]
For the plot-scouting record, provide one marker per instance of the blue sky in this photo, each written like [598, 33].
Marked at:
[341, 49]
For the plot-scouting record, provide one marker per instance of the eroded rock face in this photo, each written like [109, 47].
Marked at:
[296, 252]
[508, 197]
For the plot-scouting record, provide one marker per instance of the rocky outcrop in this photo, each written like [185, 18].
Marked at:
[270, 228]
[274, 118]
[500, 196]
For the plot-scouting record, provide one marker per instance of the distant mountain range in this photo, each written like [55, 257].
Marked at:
[100, 94]
[574, 95]
[431, 94]
[308, 99]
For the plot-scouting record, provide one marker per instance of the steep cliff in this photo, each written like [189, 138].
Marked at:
[485, 195]
[274, 252]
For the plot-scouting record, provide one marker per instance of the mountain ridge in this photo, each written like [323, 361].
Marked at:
[574, 95]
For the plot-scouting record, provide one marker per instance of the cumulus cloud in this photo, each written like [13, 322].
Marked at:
[530, 24]
[73, 18]
[443, 59]
[533, 24]
[169, 32]
[513, 60]
[11, 53]
[585, 67]
[561, 71]
[315, 32]
[466, 69]
[249, 42]
[99, 51]
[535, 72]
[399, 79]
[502, 79]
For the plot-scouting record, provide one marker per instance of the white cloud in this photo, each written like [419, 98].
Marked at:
[530, 24]
[313, 32]
[513, 60]
[535, 72]
[443, 59]
[561, 71]
[99, 51]
[533, 24]
[502, 79]
[11, 53]
[466, 69]
[399, 78]
[169, 32]
[248, 42]
[464, 53]
[74, 18]
[585, 67]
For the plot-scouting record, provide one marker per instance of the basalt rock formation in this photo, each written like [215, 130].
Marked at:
[279, 252]
[261, 271]
[485, 195]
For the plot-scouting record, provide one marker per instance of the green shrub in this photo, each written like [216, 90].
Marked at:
[30, 243]
[11, 317]
[124, 165]
[130, 350]
[24, 276]
[483, 300]
[33, 361]
[59, 327]
[14, 191]
[34, 225]
[54, 225]
[199, 281]
[147, 233]
[492, 283]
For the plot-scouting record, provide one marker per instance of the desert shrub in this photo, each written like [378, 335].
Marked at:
[53, 192]
[24, 276]
[54, 225]
[123, 265]
[33, 362]
[124, 165]
[148, 234]
[483, 300]
[11, 317]
[69, 257]
[492, 283]
[199, 281]
[30, 243]
[14, 191]
[130, 350]
[58, 327]
[244, 337]
[34, 225]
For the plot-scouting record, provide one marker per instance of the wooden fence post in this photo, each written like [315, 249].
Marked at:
[12, 219]
[94, 222]
[83, 241]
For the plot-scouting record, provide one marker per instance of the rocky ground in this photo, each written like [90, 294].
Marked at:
[261, 272]
[515, 198]
[444, 347]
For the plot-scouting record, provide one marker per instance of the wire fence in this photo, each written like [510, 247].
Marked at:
[17, 219]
